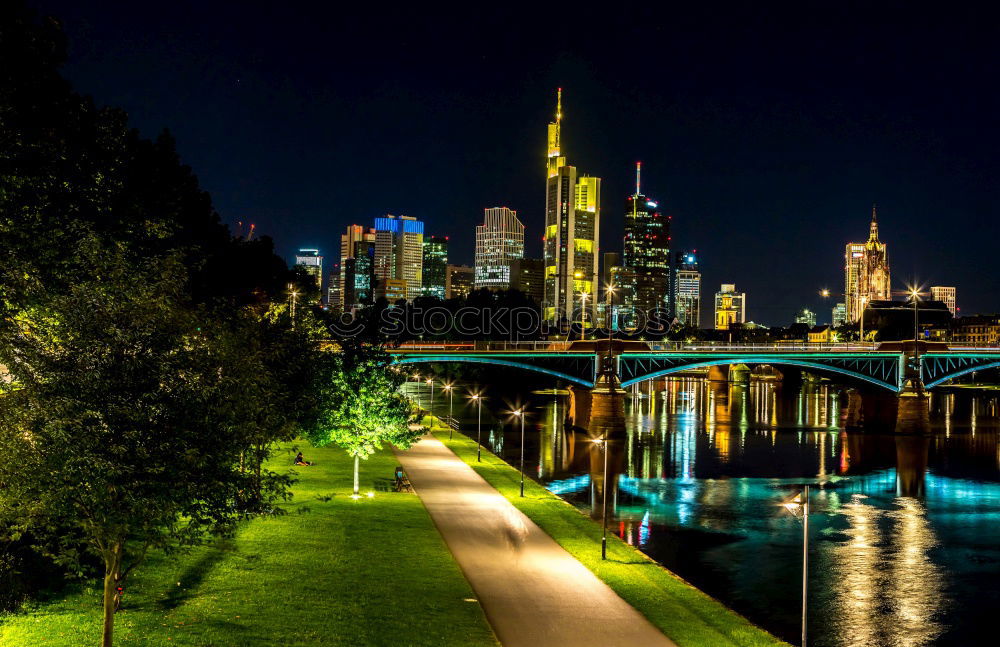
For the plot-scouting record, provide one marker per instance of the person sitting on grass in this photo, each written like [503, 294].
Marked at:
[299, 460]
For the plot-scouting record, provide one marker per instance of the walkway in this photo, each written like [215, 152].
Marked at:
[533, 591]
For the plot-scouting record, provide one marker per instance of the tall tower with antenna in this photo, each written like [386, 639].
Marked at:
[646, 250]
[570, 240]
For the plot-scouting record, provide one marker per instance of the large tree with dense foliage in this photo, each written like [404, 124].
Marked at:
[147, 369]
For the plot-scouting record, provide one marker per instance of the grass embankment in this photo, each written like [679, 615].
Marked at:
[333, 571]
[682, 612]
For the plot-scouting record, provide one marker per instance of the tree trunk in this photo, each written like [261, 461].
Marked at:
[355, 475]
[112, 575]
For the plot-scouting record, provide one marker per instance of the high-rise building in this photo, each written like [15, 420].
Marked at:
[730, 307]
[359, 276]
[399, 256]
[312, 261]
[806, 316]
[572, 225]
[435, 266]
[528, 276]
[944, 294]
[458, 281]
[349, 241]
[687, 289]
[647, 249]
[499, 242]
[866, 273]
[839, 315]
[334, 298]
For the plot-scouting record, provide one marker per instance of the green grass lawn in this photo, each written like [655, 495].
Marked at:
[334, 571]
[682, 612]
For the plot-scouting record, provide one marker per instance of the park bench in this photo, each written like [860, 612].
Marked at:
[402, 482]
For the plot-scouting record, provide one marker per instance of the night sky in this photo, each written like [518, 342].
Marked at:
[767, 131]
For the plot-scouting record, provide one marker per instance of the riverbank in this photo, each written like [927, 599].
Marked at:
[682, 612]
[332, 571]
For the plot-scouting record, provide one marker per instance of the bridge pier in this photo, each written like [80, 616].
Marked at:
[718, 373]
[739, 374]
[606, 422]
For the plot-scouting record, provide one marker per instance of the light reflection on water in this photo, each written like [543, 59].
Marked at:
[903, 535]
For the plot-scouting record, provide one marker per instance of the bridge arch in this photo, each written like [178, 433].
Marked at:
[959, 373]
[502, 361]
[770, 360]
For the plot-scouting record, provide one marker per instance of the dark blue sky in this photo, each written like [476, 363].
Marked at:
[766, 131]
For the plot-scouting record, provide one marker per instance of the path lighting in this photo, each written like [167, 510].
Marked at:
[520, 414]
[602, 442]
[451, 402]
[430, 381]
[799, 504]
[478, 399]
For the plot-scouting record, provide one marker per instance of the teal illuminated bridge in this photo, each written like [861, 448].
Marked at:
[882, 368]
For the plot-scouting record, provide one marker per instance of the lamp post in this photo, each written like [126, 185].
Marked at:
[451, 402]
[802, 500]
[430, 381]
[583, 314]
[603, 442]
[915, 296]
[520, 414]
[479, 427]
[294, 295]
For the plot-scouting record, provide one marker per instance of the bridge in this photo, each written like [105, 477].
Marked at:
[862, 363]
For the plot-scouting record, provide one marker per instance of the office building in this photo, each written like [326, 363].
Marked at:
[399, 256]
[312, 262]
[806, 316]
[945, 295]
[334, 298]
[572, 226]
[435, 266]
[458, 281]
[499, 242]
[647, 249]
[349, 246]
[358, 274]
[839, 315]
[730, 307]
[687, 289]
[528, 276]
[866, 273]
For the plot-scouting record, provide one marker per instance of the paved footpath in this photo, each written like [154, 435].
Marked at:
[535, 594]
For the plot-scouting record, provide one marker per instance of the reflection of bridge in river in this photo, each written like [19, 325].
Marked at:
[858, 364]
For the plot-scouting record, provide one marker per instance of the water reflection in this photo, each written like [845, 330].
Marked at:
[904, 528]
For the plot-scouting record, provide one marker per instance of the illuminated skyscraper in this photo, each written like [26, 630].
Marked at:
[499, 242]
[866, 273]
[349, 247]
[647, 249]
[572, 225]
[359, 275]
[687, 289]
[945, 295]
[399, 256]
[435, 266]
[312, 262]
[839, 314]
[730, 307]
[528, 276]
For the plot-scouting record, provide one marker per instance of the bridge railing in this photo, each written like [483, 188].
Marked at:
[676, 346]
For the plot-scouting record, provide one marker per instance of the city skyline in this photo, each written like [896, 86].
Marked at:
[766, 172]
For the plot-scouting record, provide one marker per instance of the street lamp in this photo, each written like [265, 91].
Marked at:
[800, 503]
[603, 442]
[479, 427]
[294, 295]
[430, 381]
[583, 313]
[451, 402]
[915, 296]
[520, 414]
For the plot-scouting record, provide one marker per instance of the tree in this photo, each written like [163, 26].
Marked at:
[118, 421]
[361, 405]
